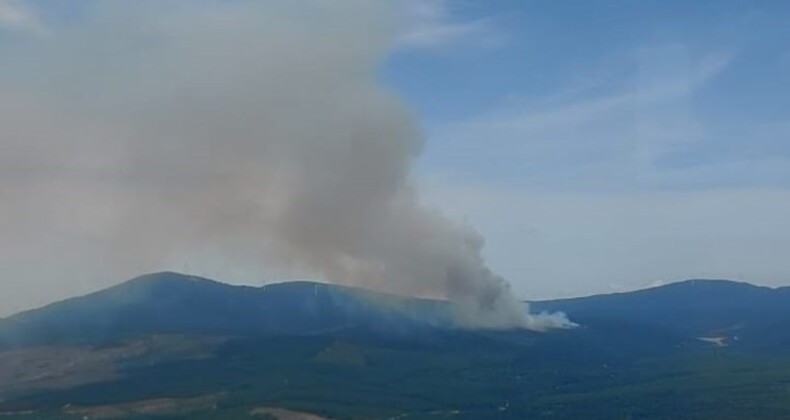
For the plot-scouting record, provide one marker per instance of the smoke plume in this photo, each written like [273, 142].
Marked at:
[256, 133]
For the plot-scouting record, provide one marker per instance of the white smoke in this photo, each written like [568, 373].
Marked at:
[255, 132]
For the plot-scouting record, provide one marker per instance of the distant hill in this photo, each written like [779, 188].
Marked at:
[167, 303]
[743, 314]
[164, 303]
[172, 345]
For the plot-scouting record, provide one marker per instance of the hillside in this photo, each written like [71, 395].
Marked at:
[742, 314]
[179, 346]
[166, 303]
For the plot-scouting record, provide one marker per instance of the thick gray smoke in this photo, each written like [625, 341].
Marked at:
[249, 132]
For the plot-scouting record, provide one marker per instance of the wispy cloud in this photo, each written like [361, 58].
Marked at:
[613, 137]
[431, 24]
[629, 178]
[670, 87]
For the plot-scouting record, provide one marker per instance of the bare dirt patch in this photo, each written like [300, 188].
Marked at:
[283, 414]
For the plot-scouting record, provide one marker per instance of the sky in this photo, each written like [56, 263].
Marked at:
[596, 146]
[607, 146]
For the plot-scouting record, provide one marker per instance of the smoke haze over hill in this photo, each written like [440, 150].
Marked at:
[225, 134]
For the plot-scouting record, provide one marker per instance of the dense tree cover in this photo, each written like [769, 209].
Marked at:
[463, 377]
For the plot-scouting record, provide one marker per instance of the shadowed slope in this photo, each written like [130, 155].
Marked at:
[175, 303]
[744, 314]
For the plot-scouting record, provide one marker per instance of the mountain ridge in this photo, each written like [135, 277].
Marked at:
[348, 353]
[170, 277]
[169, 302]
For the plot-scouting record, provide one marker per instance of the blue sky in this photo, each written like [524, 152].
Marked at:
[664, 124]
[707, 80]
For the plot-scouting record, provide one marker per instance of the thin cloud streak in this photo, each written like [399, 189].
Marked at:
[429, 24]
[622, 133]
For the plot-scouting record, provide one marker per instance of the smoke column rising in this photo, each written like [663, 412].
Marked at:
[250, 132]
